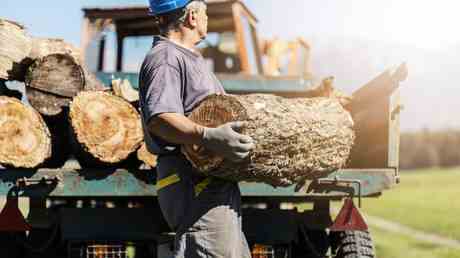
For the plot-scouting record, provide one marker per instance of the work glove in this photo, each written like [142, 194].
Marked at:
[224, 141]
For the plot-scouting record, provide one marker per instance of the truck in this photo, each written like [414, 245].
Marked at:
[113, 212]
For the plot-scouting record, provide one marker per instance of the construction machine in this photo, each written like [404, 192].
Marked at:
[79, 213]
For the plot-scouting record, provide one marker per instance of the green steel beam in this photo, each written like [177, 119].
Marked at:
[121, 182]
[231, 83]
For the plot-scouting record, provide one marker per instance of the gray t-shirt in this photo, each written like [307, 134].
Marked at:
[172, 79]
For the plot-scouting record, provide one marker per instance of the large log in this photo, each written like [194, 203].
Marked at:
[15, 46]
[106, 127]
[47, 46]
[52, 81]
[59, 74]
[56, 75]
[295, 139]
[24, 137]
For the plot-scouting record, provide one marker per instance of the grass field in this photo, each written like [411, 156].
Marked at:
[427, 200]
[390, 245]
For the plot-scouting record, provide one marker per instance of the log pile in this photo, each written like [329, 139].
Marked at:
[295, 139]
[71, 112]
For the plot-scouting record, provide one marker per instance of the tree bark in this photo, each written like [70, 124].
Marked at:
[52, 81]
[42, 47]
[106, 128]
[24, 137]
[295, 139]
[15, 46]
[47, 46]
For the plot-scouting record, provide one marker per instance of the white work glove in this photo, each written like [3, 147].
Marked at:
[224, 141]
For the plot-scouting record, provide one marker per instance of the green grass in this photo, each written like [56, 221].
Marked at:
[427, 200]
[390, 245]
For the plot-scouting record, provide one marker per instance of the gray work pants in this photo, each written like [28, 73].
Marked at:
[205, 213]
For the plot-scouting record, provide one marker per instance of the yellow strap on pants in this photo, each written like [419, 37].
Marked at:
[202, 185]
[172, 179]
[167, 181]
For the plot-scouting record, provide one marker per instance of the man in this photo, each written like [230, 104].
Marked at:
[204, 212]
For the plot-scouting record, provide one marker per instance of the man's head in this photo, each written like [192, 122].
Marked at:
[181, 17]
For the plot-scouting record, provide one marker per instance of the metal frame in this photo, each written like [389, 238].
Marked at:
[134, 21]
[121, 182]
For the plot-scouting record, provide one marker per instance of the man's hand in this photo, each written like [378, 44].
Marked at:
[226, 142]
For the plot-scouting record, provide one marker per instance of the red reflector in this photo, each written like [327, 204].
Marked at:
[349, 218]
[11, 218]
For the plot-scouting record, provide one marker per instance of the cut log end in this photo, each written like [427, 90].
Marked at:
[296, 139]
[59, 74]
[106, 126]
[52, 81]
[24, 137]
[46, 103]
[213, 111]
[145, 156]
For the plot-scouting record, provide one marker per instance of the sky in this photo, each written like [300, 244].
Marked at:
[419, 23]
[349, 33]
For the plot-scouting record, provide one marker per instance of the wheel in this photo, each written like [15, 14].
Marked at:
[352, 244]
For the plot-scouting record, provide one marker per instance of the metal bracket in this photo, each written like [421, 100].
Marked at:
[337, 181]
[24, 182]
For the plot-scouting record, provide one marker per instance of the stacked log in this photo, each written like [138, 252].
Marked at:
[53, 81]
[15, 46]
[106, 127]
[295, 139]
[47, 46]
[42, 47]
[56, 75]
[24, 137]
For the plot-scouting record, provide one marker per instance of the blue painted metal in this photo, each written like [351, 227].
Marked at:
[231, 83]
[120, 182]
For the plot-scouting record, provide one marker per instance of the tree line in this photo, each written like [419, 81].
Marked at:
[425, 149]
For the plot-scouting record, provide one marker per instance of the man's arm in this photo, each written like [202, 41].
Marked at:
[176, 128]
[223, 140]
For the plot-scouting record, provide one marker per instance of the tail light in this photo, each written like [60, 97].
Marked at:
[263, 251]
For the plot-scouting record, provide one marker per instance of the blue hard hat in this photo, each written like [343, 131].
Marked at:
[163, 6]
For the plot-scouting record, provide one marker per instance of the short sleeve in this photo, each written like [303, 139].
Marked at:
[161, 91]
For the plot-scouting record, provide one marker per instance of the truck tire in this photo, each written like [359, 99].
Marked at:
[352, 244]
